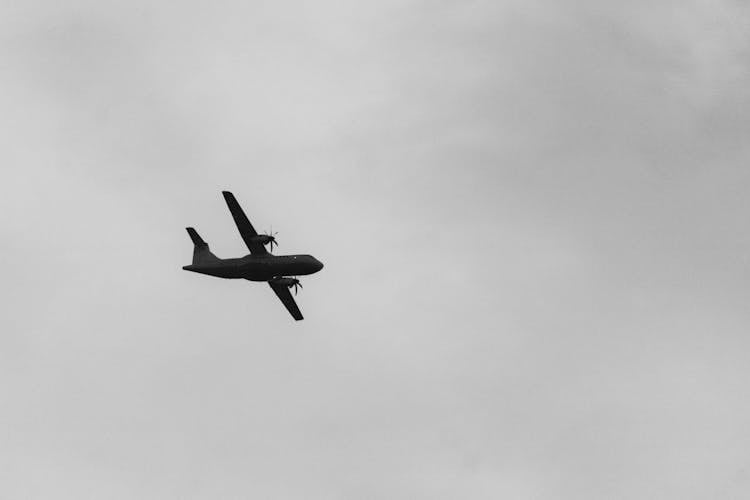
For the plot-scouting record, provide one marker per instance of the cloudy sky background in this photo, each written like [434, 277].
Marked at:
[533, 216]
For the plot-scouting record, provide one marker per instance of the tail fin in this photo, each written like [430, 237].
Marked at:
[201, 253]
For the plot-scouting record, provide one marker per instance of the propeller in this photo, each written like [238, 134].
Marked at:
[271, 238]
[295, 284]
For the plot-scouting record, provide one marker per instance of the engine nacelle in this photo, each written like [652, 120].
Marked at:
[288, 282]
[263, 239]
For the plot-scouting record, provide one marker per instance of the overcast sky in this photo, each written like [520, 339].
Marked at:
[533, 217]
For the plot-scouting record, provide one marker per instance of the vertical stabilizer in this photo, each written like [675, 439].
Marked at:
[201, 254]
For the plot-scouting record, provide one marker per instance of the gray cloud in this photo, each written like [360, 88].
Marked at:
[531, 216]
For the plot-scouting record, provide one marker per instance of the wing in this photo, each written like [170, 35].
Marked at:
[286, 297]
[243, 224]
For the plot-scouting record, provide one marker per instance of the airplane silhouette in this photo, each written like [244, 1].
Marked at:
[279, 271]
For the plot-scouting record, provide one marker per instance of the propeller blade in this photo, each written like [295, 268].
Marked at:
[295, 284]
[271, 238]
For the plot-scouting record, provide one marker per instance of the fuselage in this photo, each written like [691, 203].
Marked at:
[259, 267]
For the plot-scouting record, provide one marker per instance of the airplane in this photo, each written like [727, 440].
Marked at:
[280, 271]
